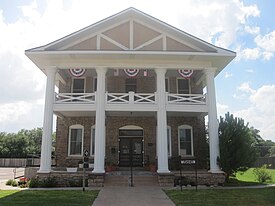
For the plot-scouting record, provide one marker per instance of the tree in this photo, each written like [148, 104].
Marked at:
[237, 145]
[20, 144]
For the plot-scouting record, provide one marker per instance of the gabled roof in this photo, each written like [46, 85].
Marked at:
[131, 32]
[141, 20]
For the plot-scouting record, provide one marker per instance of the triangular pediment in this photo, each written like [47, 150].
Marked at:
[132, 35]
[130, 30]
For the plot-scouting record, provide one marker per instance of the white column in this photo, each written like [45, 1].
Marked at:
[161, 122]
[99, 156]
[212, 120]
[46, 147]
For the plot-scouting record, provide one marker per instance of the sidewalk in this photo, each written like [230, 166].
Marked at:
[132, 196]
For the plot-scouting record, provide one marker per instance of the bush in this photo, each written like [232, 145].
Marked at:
[49, 182]
[34, 183]
[262, 174]
[14, 183]
[9, 182]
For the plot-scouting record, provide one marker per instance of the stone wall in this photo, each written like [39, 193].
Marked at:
[113, 123]
[74, 179]
[62, 135]
[112, 143]
[199, 139]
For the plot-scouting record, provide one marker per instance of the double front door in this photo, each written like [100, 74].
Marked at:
[131, 151]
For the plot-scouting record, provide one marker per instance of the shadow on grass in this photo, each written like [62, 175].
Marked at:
[43, 198]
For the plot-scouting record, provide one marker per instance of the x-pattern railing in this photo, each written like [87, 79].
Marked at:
[75, 97]
[186, 98]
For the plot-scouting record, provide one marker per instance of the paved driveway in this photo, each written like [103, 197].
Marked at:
[112, 195]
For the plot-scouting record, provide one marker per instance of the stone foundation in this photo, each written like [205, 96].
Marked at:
[203, 178]
[166, 179]
[189, 178]
[74, 179]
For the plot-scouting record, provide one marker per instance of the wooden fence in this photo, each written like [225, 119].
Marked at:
[265, 160]
[21, 162]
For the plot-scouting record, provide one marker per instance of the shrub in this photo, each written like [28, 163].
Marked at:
[34, 183]
[49, 182]
[14, 183]
[262, 174]
[9, 182]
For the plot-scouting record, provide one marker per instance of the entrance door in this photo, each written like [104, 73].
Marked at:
[131, 148]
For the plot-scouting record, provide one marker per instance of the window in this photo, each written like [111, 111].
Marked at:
[166, 84]
[95, 84]
[92, 149]
[76, 140]
[183, 86]
[130, 85]
[185, 140]
[78, 86]
[169, 149]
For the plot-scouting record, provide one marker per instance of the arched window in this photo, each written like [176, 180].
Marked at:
[185, 140]
[76, 136]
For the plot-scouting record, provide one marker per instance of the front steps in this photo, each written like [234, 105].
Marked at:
[123, 178]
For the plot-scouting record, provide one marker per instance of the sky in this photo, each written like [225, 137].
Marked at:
[245, 88]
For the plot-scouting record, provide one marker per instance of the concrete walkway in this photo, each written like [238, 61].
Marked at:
[132, 196]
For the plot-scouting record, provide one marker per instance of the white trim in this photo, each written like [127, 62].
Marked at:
[113, 42]
[192, 146]
[131, 127]
[72, 86]
[76, 126]
[189, 85]
[91, 144]
[131, 34]
[151, 41]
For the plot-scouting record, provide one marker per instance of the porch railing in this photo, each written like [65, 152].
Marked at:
[130, 98]
[186, 98]
[75, 98]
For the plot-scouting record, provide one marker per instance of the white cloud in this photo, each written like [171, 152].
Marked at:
[248, 53]
[261, 112]
[21, 82]
[227, 75]
[222, 109]
[12, 111]
[266, 42]
[245, 87]
[252, 29]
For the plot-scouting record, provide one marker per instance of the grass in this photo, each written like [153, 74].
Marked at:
[43, 198]
[248, 178]
[242, 197]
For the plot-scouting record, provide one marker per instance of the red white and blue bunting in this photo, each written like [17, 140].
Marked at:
[77, 72]
[185, 73]
[131, 72]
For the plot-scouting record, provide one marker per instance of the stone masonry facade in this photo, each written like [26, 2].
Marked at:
[113, 123]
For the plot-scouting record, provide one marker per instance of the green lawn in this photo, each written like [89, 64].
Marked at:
[248, 176]
[50, 197]
[224, 197]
